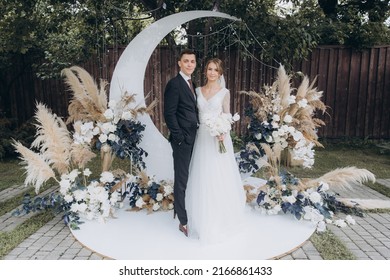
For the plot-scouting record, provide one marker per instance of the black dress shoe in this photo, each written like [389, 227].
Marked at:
[183, 229]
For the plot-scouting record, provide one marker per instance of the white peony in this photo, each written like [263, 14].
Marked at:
[106, 177]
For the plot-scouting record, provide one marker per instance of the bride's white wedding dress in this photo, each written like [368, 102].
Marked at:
[215, 198]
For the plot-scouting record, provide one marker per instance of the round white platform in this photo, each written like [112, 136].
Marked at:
[139, 236]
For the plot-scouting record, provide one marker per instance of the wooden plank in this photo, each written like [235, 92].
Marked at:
[385, 125]
[342, 92]
[353, 93]
[323, 66]
[379, 94]
[369, 119]
[331, 94]
[362, 94]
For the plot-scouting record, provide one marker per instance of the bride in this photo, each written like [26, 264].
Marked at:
[215, 198]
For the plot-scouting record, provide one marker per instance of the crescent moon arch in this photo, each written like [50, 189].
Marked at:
[129, 75]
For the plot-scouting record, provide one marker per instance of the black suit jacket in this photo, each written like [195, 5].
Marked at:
[180, 110]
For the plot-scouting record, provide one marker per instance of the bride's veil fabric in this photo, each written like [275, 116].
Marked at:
[222, 81]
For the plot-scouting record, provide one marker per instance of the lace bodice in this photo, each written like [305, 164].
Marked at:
[219, 103]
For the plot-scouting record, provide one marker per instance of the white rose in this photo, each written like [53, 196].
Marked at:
[126, 115]
[156, 206]
[109, 114]
[112, 137]
[106, 177]
[159, 197]
[236, 117]
[258, 136]
[276, 118]
[315, 197]
[324, 186]
[103, 138]
[287, 119]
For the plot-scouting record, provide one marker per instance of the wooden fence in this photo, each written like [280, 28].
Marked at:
[356, 86]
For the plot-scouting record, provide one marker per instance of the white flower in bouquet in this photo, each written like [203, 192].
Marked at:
[159, 197]
[87, 172]
[219, 125]
[275, 210]
[140, 202]
[276, 118]
[127, 115]
[68, 198]
[321, 226]
[109, 114]
[324, 186]
[112, 137]
[287, 119]
[302, 103]
[79, 195]
[156, 206]
[168, 189]
[340, 223]
[312, 214]
[258, 136]
[350, 220]
[103, 138]
[170, 206]
[315, 197]
[291, 99]
[106, 177]
[64, 186]
[291, 199]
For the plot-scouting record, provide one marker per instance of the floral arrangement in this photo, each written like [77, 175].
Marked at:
[112, 125]
[220, 124]
[62, 155]
[277, 116]
[310, 199]
[146, 193]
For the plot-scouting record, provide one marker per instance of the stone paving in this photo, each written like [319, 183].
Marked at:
[369, 239]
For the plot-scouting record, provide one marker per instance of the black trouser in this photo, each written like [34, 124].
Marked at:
[181, 162]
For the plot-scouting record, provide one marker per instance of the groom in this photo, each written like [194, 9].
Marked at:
[181, 117]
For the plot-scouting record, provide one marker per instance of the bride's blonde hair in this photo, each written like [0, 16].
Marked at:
[217, 62]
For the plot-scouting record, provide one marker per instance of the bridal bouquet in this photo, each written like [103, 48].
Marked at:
[219, 125]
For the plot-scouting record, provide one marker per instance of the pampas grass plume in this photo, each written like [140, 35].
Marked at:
[37, 168]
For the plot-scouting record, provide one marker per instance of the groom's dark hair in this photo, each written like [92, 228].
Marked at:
[186, 51]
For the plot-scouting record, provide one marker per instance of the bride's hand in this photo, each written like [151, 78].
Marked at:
[221, 137]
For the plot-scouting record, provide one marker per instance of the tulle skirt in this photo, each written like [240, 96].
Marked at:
[215, 198]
